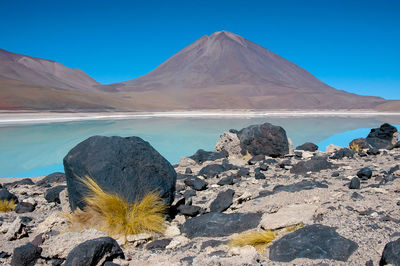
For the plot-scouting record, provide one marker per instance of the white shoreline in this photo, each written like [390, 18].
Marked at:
[37, 117]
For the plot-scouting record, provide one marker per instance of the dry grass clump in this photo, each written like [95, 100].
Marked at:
[355, 147]
[7, 205]
[260, 239]
[112, 214]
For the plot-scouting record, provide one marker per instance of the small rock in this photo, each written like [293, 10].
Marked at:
[332, 148]
[159, 244]
[24, 207]
[373, 151]
[172, 231]
[4, 255]
[226, 181]
[52, 178]
[313, 165]
[391, 253]
[212, 243]
[230, 143]
[258, 175]
[308, 146]
[189, 193]
[340, 154]
[64, 201]
[256, 159]
[196, 183]
[25, 255]
[264, 167]
[202, 156]
[212, 170]
[355, 183]
[53, 194]
[243, 172]
[177, 241]
[364, 173]
[360, 143]
[93, 251]
[189, 210]
[188, 171]
[223, 201]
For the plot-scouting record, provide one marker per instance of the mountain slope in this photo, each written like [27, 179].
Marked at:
[43, 72]
[225, 70]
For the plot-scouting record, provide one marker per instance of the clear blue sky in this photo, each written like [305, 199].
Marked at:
[351, 45]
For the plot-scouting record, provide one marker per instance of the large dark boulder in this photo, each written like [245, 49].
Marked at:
[265, 139]
[25, 255]
[129, 167]
[391, 253]
[220, 224]
[6, 195]
[308, 146]
[313, 242]
[381, 137]
[201, 156]
[93, 251]
[56, 177]
[315, 164]
[53, 194]
[223, 201]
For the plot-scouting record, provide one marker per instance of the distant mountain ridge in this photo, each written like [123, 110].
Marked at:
[220, 71]
[44, 72]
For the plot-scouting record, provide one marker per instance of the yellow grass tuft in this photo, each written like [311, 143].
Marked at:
[247, 156]
[7, 205]
[355, 147]
[112, 214]
[259, 239]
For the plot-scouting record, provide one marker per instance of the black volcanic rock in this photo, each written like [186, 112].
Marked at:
[130, 167]
[355, 183]
[196, 183]
[25, 255]
[223, 201]
[381, 137]
[308, 146]
[265, 139]
[24, 181]
[220, 224]
[189, 210]
[6, 195]
[315, 164]
[212, 170]
[201, 156]
[391, 253]
[56, 177]
[93, 251]
[364, 173]
[302, 185]
[24, 207]
[340, 154]
[313, 242]
[53, 194]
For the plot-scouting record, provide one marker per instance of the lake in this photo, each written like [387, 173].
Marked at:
[38, 149]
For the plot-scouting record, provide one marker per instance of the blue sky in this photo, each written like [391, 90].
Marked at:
[351, 45]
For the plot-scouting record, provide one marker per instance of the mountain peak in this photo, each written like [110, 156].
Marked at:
[227, 35]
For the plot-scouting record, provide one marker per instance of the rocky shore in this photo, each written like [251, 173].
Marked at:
[339, 207]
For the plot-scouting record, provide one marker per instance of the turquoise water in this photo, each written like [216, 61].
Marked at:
[38, 149]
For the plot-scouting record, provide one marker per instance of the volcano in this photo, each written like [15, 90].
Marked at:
[224, 70]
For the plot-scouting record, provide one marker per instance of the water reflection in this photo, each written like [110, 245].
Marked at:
[39, 149]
